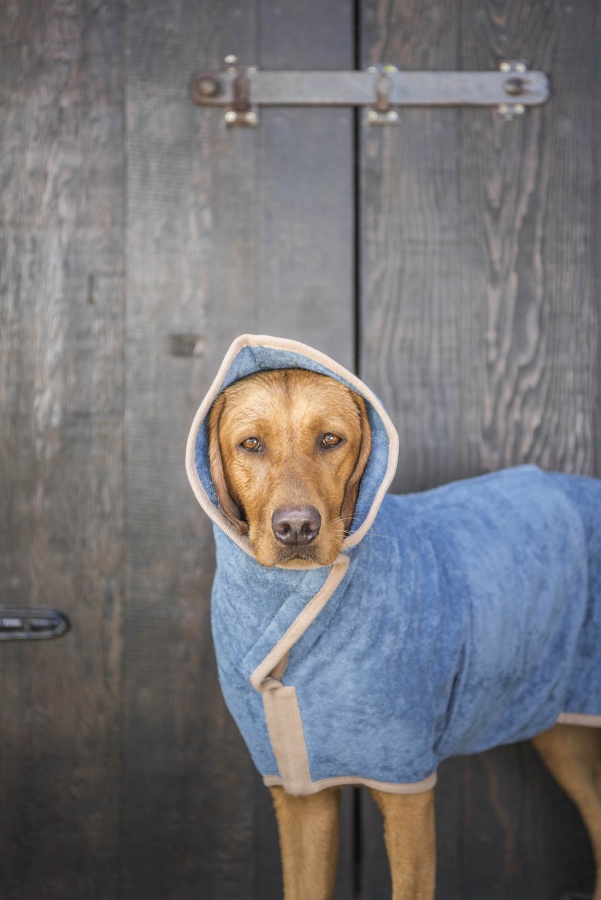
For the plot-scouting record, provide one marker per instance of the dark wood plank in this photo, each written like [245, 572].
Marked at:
[61, 448]
[410, 259]
[306, 219]
[188, 827]
[531, 370]
[305, 262]
[529, 312]
[522, 838]
[410, 281]
[522, 332]
[596, 228]
[201, 272]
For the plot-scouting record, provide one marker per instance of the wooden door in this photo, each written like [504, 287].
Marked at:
[480, 328]
[451, 259]
[62, 477]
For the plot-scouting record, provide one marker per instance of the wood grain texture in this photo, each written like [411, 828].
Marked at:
[410, 281]
[410, 260]
[596, 261]
[530, 381]
[496, 364]
[306, 263]
[531, 368]
[61, 449]
[523, 838]
[200, 260]
[305, 254]
[188, 826]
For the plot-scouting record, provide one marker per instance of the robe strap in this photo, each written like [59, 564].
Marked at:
[282, 712]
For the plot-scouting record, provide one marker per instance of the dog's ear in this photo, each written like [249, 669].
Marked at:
[228, 507]
[351, 492]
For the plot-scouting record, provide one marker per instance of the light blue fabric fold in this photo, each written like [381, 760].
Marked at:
[470, 616]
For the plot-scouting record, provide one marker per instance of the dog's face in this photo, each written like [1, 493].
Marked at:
[287, 451]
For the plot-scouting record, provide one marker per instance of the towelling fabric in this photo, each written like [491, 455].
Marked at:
[453, 620]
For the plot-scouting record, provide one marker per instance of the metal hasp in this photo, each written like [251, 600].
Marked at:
[32, 624]
[380, 89]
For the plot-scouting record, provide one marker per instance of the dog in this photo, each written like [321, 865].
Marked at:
[287, 451]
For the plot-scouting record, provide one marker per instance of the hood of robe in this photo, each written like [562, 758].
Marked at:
[250, 354]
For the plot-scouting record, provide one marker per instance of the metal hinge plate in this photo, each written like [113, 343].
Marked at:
[241, 90]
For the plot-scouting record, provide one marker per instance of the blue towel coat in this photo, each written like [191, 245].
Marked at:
[469, 616]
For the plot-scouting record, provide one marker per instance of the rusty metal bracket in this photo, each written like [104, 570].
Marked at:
[381, 112]
[515, 87]
[206, 89]
[241, 90]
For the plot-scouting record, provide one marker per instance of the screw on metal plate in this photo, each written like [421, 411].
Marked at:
[32, 624]
[204, 85]
[514, 87]
[207, 86]
[381, 113]
[241, 112]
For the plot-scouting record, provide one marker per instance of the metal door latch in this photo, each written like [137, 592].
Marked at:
[206, 89]
[32, 624]
[381, 112]
[241, 90]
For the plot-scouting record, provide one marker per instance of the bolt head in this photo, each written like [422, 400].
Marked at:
[519, 109]
[372, 115]
[521, 67]
[251, 118]
[230, 59]
[206, 86]
[372, 69]
[392, 115]
[514, 86]
[231, 116]
[505, 67]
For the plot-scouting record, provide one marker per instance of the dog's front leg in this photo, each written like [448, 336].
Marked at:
[409, 831]
[308, 829]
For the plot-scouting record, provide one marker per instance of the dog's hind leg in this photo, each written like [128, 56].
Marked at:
[409, 832]
[573, 756]
[308, 828]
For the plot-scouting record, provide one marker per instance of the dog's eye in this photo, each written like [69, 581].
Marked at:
[251, 443]
[330, 440]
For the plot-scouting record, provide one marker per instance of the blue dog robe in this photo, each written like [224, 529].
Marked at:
[452, 621]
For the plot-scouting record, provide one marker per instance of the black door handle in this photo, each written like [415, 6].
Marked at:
[32, 624]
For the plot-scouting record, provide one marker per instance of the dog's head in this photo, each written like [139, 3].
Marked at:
[287, 450]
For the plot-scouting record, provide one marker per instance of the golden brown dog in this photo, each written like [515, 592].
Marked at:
[287, 450]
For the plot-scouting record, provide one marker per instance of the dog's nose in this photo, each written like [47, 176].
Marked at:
[296, 524]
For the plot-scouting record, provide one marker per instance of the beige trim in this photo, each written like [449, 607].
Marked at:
[417, 787]
[280, 703]
[589, 721]
[285, 728]
[280, 669]
[263, 676]
[253, 340]
[193, 477]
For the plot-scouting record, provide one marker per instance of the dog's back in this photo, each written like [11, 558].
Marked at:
[519, 571]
